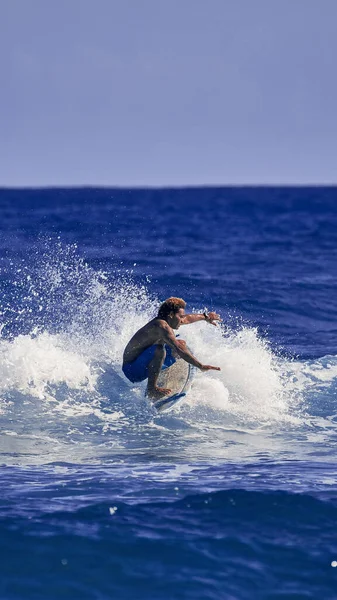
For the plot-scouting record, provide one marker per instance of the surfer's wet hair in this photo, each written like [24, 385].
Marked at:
[170, 305]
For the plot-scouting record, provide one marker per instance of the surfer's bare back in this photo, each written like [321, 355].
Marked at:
[145, 354]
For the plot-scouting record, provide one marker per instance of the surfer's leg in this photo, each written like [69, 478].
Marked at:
[153, 369]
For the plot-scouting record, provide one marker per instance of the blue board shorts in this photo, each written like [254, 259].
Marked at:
[137, 370]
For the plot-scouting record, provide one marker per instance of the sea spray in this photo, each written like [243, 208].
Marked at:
[68, 365]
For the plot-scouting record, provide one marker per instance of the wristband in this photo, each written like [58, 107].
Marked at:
[205, 313]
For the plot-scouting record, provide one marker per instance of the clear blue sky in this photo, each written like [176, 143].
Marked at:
[168, 92]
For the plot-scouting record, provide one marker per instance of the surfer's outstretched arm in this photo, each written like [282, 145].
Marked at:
[208, 317]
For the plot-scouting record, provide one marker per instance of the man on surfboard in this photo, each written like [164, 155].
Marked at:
[145, 354]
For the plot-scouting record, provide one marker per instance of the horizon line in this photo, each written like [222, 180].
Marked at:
[165, 187]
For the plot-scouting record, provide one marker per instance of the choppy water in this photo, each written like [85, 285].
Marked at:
[232, 494]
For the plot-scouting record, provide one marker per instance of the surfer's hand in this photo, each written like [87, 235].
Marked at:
[211, 317]
[209, 368]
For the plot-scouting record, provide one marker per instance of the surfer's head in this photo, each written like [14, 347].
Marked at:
[172, 311]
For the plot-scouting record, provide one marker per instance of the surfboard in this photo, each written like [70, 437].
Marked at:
[178, 378]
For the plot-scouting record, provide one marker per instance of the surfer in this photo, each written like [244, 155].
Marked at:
[155, 346]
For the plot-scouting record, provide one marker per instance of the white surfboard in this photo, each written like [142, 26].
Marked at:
[178, 378]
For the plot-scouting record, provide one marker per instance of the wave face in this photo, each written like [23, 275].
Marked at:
[226, 493]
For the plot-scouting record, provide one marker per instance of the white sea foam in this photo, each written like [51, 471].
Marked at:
[30, 364]
[101, 313]
[250, 383]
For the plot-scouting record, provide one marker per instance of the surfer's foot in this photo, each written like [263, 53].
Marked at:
[157, 393]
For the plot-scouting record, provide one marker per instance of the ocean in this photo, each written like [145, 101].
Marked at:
[233, 493]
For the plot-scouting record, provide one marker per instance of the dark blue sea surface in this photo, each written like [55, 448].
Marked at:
[231, 494]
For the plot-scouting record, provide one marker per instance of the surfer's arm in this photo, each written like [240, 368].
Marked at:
[180, 347]
[208, 317]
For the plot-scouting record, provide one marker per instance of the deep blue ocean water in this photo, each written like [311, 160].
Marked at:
[233, 493]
